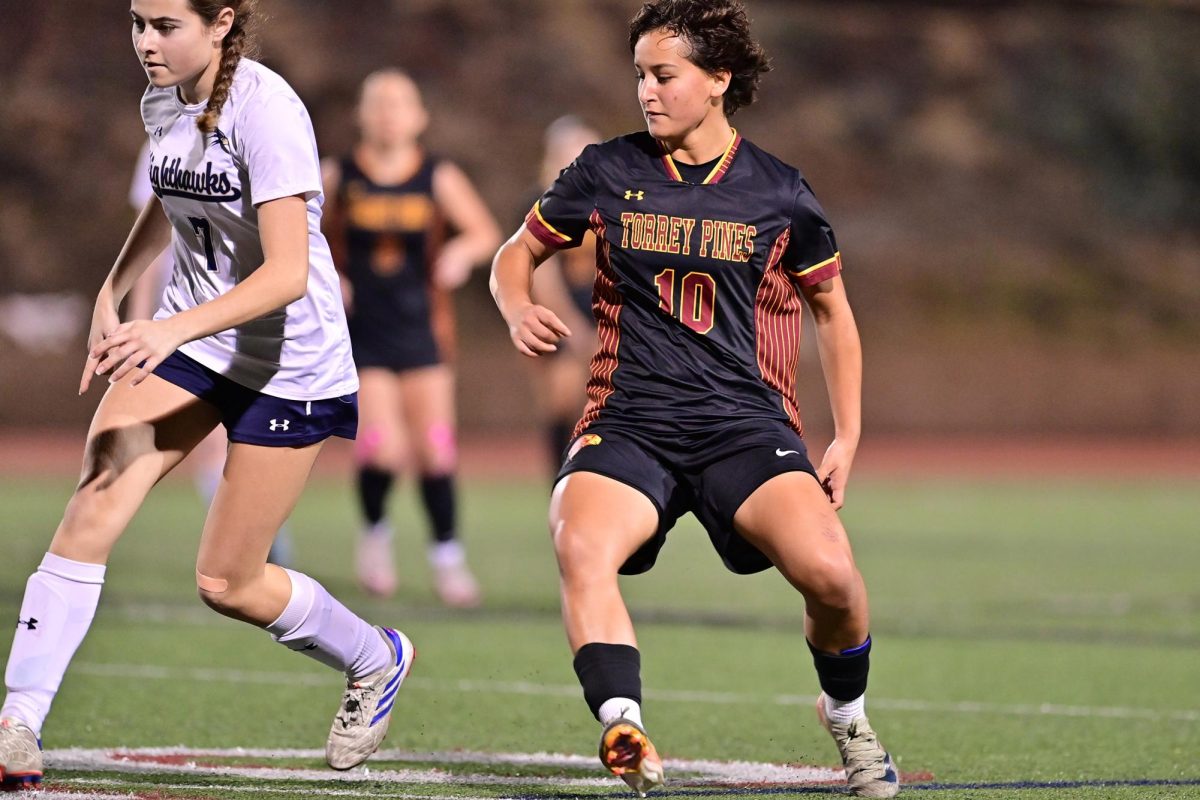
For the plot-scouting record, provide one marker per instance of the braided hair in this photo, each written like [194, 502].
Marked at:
[237, 43]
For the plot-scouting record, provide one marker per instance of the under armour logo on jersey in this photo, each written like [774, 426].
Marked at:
[630, 194]
[158, 131]
[30, 623]
[280, 424]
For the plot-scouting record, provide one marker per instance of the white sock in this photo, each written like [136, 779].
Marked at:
[317, 625]
[447, 554]
[60, 602]
[617, 707]
[843, 712]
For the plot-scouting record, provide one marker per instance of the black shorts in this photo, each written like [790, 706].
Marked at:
[252, 417]
[709, 474]
[398, 350]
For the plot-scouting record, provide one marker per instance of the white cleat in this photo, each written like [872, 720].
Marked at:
[869, 768]
[375, 564]
[456, 586]
[366, 711]
[20, 756]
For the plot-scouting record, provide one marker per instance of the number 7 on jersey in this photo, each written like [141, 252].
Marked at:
[204, 231]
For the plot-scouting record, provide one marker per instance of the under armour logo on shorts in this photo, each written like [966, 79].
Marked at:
[280, 425]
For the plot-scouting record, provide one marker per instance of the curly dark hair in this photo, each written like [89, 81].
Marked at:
[718, 34]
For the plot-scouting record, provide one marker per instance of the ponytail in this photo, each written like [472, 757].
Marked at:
[237, 43]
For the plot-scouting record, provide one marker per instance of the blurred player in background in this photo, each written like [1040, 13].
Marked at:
[708, 248]
[406, 228]
[251, 334]
[208, 457]
[564, 283]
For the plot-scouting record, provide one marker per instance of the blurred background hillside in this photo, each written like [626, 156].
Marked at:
[1015, 186]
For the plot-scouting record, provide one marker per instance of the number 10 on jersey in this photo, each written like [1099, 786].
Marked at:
[697, 298]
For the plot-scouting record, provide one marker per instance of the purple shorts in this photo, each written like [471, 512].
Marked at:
[252, 417]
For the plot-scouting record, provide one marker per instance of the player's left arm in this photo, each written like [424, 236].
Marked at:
[478, 236]
[841, 362]
[282, 279]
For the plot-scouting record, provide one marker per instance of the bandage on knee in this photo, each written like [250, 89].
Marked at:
[442, 443]
[214, 585]
[369, 444]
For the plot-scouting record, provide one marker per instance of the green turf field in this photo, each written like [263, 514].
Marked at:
[1033, 640]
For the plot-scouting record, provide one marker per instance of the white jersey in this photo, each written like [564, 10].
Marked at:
[210, 186]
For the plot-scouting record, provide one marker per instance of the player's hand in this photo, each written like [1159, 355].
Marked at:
[834, 471]
[453, 265]
[138, 347]
[105, 320]
[536, 330]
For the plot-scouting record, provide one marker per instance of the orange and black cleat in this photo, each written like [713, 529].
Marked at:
[628, 753]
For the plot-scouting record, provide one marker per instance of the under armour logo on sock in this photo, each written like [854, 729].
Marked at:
[309, 646]
[281, 425]
[30, 623]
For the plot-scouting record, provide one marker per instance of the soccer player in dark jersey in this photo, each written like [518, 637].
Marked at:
[564, 283]
[406, 229]
[708, 249]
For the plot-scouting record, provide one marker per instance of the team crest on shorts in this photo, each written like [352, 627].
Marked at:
[582, 442]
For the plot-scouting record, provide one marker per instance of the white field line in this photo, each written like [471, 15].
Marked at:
[153, 761]
[74, 795]
[236, 676]
[142, 789]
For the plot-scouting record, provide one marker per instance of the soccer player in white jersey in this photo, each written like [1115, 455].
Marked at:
[251, 334]
[208, 457]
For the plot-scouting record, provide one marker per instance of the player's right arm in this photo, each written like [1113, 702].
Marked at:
[534, 329]
[150, 235]
[558, 221]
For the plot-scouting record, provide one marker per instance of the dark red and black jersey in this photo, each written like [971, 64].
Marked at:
[391, 235]
[697, 295]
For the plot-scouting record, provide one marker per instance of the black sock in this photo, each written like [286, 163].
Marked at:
[373, 487]
[843, 676]
[608, 670]
[437, 493]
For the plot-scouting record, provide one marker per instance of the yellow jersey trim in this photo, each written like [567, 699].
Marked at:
[836, 257]
[537, 210]
[722, 162]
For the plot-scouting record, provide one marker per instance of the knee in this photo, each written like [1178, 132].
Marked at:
[834, 582]
[221, 595]
[92, 503]
[373, 447]
[581, 553]
[439, 450]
